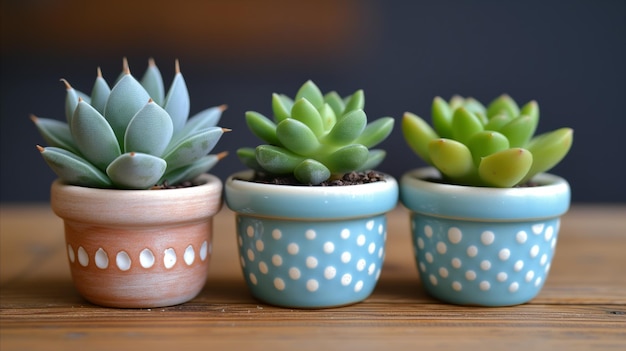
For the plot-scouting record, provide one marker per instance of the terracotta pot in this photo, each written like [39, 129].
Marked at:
[484, 246]
[138, 248]
[311, 246]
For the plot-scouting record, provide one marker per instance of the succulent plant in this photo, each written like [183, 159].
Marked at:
[131, 136]
[492, 146]
[315, 137]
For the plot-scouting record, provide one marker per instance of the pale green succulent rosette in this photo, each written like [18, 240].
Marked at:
[131, 136]
[315, 136]
[492, 146]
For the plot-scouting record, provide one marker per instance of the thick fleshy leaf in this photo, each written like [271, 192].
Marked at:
[201, 120]
[474, 106]
[375, 132]
[74, 169]
[531, 108]
[93, 136]
[262, 127]
[100, 93]
[374, 158]
[281, 106]
[355, 101]
[191, 171]
[297, 137]
[150, 131]
[247, 156]
[418, 134]
[329, 118]
[464, 125]
[496, 122]
[193, 148]
[347, 159]
[135, 170]
[506, 168]
[312, 93]
[503, 104]
[335, 101]
[71, 100]
[127, 97]
[305, 112]
[277, 160]
[152, 81]
[55, 133]
[347, 129]
[549, 149]
[452, 158]
[177, 102]
[311, 171]
[519, 130]
[442, 117]
[486, 143]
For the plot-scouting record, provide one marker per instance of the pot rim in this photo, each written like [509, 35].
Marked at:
[137, 207]
[309, 202]
[551, 198]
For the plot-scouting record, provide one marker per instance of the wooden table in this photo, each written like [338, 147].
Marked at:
[582, 306]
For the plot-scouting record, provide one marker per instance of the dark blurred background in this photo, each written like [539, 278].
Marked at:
[568, 55]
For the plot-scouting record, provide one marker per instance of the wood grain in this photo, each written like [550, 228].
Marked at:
[582, 305]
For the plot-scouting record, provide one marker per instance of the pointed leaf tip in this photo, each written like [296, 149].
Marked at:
[40, 148]
[151, 62]
[223, 107]
[66, 83]
[176, 66]
[222, 155]
[125, 67]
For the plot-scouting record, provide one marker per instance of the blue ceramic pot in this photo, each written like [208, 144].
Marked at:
[483, 246]
[310, 246]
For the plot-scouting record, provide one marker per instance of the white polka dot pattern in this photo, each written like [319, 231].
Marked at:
[338, 262]
[146, 259]
[507, 262]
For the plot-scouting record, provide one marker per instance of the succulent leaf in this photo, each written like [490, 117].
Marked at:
[486, 143]
[194, 147]
[549, 149]
[452, 158]
[312, 93]
[503, 104]
[201, 120]
[297, 137]
[505, 168]
[99, 93]
[262, 127]
[442, 117]
[93, 136]
[247, 156]
[191, 171]
[347, 129]
[74, 169]
[152, 81]
[304, 111]
[149, 131]
[519, 130]
[496, 122]
[71, 100]
[311, 171]
[465, 124]
[329, 118]
[346, 159]
[126, 98]
[374, 158]
[177, 101]
[375, 132]
[55, 133]
[418, 135]
[355, 101]
[334, 100]
[277, 160]
[136, 170]
[281, 106]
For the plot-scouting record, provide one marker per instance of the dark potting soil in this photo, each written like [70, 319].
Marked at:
[352, 178]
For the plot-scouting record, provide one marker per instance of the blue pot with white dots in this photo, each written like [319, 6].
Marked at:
[310, 246]
[483, 246]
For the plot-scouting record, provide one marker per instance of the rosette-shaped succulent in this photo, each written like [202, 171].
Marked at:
[315, 137]
[492, 146]
[131, 136]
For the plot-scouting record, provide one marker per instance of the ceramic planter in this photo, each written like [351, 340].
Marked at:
[310, 246]
[138, 248]
[483, 246]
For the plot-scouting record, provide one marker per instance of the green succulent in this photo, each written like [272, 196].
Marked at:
[131, 136]
[315, 137]
[492, 146]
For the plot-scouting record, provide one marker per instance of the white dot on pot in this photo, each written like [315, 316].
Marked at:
[534, 251]
[345, 234]
[189, 256]
[484, 285]
[537, 228]
[294, 273]
[293, 249]
[250, 254]
[455, 235]
[369, 225]
[371, 248]
[518, 265]
[504, 254]
[420, 243]
[487, 237]
[358, 286]
[279, 284]
[346, 257]
[470, 275]
[277, 260]
[521, 237]
[122, 260]
[443, 272]
[485, 265]
[329, 247]
[277, 234]
[312, 285]
[330, 272]
[70, 253]
[530, 275]
[346, 279]
[429, 257]
[260, 246]
[250, 231]
[360, 265]
[252, 278]
[433, 279]
[513, 287]
[101, 259]
[549, 233]
[204, 250]
[544, 259]
[311, 262]
[83, 258]
[360, 240]
[263, 267]
[169, 259]
[310, 234]
[472, 251]
[502, 276]
[457, 286]
[442, 247]
[371, 269]
[428, 231]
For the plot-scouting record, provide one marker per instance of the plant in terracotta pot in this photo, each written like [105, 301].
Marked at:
[485, 217]
[310, 212]
[132, 189]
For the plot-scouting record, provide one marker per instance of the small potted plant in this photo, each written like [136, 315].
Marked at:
[485, 216]
[133, 190]
[310, 212]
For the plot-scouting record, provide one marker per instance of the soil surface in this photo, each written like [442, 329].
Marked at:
[352, 178]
